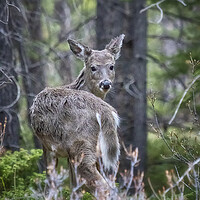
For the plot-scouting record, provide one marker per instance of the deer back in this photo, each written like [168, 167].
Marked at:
[61, 117]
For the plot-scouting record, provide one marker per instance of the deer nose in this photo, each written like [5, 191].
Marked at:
[105, 84]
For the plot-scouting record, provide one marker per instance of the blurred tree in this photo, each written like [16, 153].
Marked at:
[169, 58]
[171, 70]
[31, 57]
[63, 15]
[129, 96]
[14, 21]
[9, 89]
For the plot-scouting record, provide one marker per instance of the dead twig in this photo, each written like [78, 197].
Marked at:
[159, 8]
[149, 181]
[181, 100]
[17, 96]
[7, 11]
[191, 167]
[2, 134]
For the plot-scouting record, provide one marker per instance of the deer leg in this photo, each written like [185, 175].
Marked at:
[94, 180]
[49, 158]
[86, 164]
[45, 158]
[72, 177]
[51, 162]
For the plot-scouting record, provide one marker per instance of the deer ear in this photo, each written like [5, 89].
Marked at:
[80, 50]
[115, 46]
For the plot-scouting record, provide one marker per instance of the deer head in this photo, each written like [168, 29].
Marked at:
[99, 70]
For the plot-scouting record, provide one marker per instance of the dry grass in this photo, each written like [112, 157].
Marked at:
[2, 135]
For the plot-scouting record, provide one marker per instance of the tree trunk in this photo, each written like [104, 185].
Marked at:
[9, 90]
[32, 67]
[64, 66]
[129, 93]
[139, 67]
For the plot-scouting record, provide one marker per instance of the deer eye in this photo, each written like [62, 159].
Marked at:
[111, 67]
[93, 68]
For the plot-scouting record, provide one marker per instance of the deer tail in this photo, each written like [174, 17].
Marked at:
[108, 140]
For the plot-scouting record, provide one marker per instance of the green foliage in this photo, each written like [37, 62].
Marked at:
[18, 173]
[157, 164]
[48, 6]
[18, 170]
[156, 148]
[87, 196]
[185, 142]
[19, 177]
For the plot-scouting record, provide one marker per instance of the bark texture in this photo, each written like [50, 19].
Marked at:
[64, 66]
[9, 91]
[31, 59]
[129, 92]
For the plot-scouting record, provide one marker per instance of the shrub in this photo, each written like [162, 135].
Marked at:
[18, 173]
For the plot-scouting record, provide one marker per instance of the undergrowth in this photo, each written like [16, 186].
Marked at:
[20, 178]
[18, 172]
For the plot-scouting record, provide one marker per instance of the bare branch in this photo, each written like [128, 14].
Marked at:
[152, 5]
[134, 92]
[181, 100]
[2, 134]
[149, 181]
[159, 8]
[8, 11]
[158, 129]
[7, 15]
[182, 2]
[191, 166]
[165, 67]
[161, 14]
[5, 82]
[17, 97]
[72, 31]
[14, 6]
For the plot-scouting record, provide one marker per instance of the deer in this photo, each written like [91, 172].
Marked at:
[74, 120]
[98, 73]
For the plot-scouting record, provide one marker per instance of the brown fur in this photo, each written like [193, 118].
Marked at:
[70, 123]
[102, 61]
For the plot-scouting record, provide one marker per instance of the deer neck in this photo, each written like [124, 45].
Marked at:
[80, 83]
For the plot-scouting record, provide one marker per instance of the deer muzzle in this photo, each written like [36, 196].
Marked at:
[105, 85]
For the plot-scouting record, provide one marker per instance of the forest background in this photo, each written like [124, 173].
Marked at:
[156, 91]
